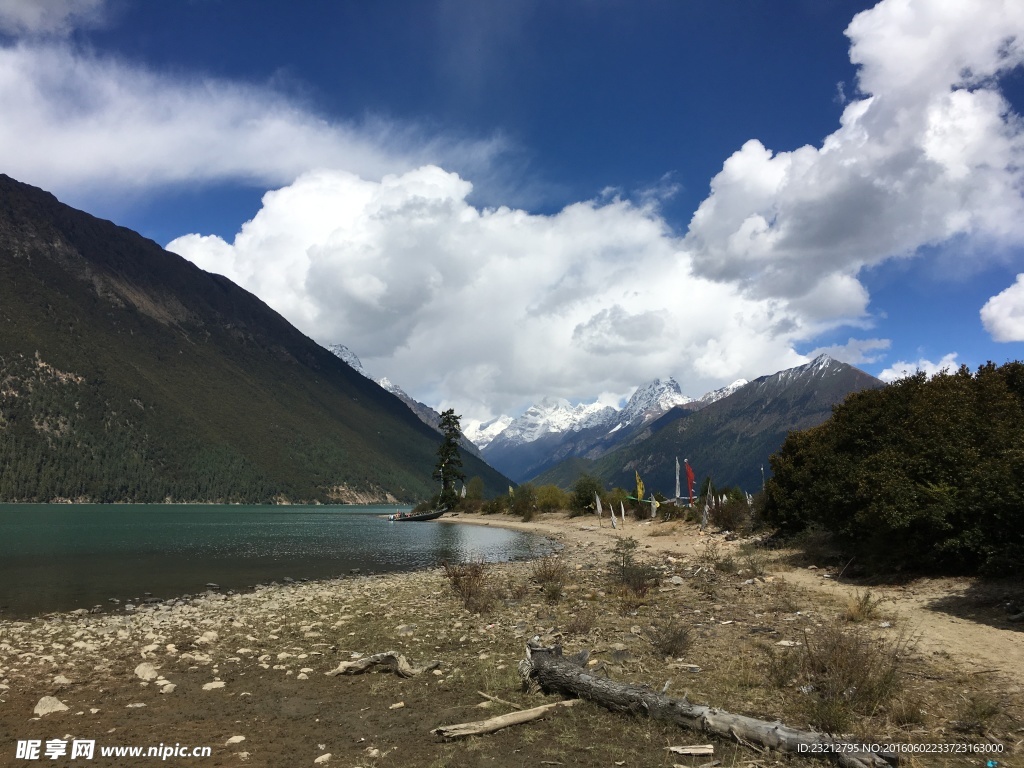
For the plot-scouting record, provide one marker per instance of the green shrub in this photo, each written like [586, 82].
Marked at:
[551, 498]
[584, 491]
[921, 475]
[524, 501]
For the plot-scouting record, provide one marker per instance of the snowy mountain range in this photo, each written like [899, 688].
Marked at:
[558, 416]
[554, 430]
[728, 439]
[540, 442]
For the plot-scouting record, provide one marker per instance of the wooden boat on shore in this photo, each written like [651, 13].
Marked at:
[406, 517]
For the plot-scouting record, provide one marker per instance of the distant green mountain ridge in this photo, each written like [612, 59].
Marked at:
[129, 374]
[728, 440]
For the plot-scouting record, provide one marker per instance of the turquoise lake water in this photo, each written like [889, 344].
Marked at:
[67, 556]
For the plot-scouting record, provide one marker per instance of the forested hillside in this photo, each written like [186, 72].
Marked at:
[129, 374]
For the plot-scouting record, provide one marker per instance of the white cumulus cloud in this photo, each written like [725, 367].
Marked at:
[928, 151]
[902, 369]
[72, 120]
[1003, 314]
[855, 351]
[48, 17]
[487, 309]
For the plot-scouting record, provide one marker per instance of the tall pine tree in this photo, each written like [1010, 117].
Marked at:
[449, 462]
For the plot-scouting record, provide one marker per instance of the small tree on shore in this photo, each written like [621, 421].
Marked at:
[449, 461]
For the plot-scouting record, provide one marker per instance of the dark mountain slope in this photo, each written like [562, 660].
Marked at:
[127, 373]
[732, 438]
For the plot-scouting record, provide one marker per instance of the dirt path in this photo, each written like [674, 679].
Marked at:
[977, 646]
[948, 617]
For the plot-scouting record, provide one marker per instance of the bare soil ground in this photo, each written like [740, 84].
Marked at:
[962, 662]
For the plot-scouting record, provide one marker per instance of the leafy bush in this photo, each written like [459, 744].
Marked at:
[524, 501]
[924, 474]
[584, 491]
[734, 515]
[551, 498]
[495, 506]
[475, 489]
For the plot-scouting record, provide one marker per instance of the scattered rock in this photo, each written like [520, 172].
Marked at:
[214, 685]
[48, 705]
[327, 757]
[134, 706]
[61, 680]
[146, 671]
[234, 740]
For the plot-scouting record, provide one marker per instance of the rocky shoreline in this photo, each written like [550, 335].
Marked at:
[247, 673]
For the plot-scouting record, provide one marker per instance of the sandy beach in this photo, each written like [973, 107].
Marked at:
[247, 675]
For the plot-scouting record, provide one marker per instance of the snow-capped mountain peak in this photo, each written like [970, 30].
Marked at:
[718, 394]
[556, 415]
[350, 357]
[480, 433]
[653, 399]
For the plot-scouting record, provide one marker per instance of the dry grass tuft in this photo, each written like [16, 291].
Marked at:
[862, 607]
[552, 574]
[581, 622]
[670, 638]
[975, 712]
[471, 583]
[847, 672]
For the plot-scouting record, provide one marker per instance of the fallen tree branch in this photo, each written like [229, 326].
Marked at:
[555, 673]
[500, 701]
[397, 662]
[695, 749]
[497, 723]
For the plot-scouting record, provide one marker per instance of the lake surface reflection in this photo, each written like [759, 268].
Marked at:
[61, 557]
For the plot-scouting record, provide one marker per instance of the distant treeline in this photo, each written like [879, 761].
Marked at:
[923, 475]
[63, 437]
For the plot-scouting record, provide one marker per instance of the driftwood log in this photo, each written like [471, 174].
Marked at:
[555, 673]
[394, 661]
[497, 723]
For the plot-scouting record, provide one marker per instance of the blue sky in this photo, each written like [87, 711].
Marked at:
[492, 202]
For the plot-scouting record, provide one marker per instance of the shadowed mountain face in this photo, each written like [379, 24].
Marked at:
[730, 439]
[128, 373]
